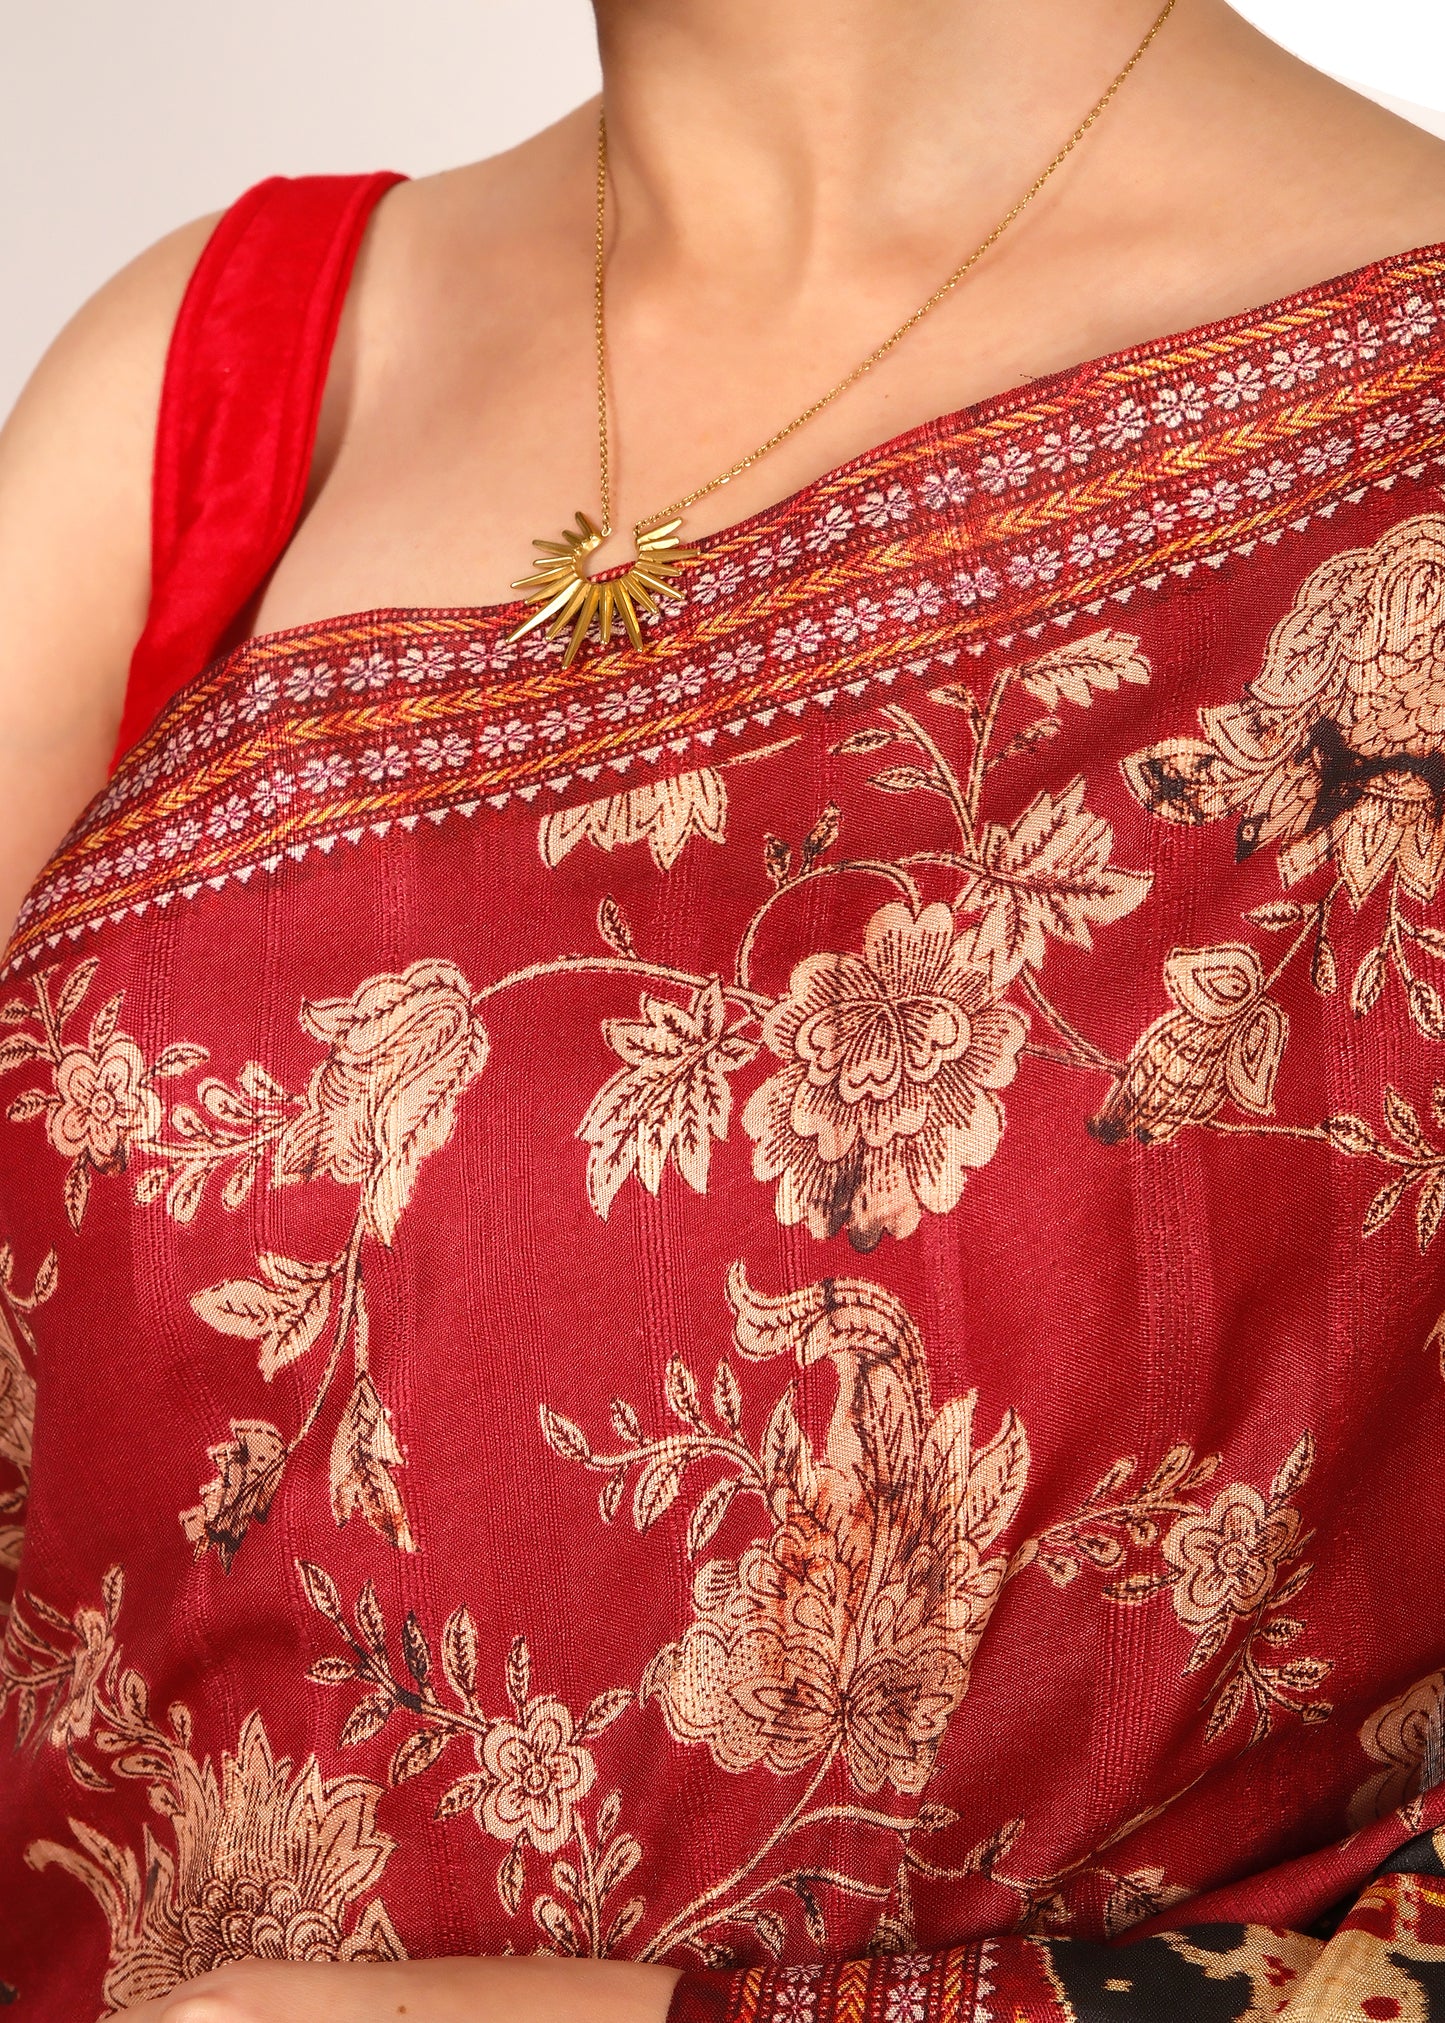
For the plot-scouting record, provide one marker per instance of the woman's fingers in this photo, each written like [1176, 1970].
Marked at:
[422, 1991]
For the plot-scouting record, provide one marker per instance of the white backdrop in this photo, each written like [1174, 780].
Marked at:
[118, 121]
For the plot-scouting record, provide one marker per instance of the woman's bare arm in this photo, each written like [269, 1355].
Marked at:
[75, 485]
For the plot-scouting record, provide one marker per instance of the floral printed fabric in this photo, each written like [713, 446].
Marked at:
[774, 1303]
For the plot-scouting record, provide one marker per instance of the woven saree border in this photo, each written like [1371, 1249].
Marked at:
[957, 544]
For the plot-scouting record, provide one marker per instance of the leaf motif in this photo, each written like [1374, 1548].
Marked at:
[178, 1059]
[286, 1315]
[28, 1104]
[624, 1924]
[103, 1025]
[1324, 970]
[657, 1487]
[996, 1483]
[321, 1592]
[1427, 1008]
[459, 1654]
[77, 1190]
[511, 1876]
[183, 1196]
[1353, 1136]
[1294, 1471]
[1075, 673]
[1402, 1120]
[771, 1931]
[608, 1814]
[417, 1754]
[860, 743]
[1135, 1588]
[1369, 982]
[625, 1422]
[1209, 1644]
[1276, 915]
[20, 1048]
[249, 1467]
[823, 835]
[363, 1454]
[238, 1185]
[908, 780]
[708, 1517]
[14, 1012]
[519, 1674]
[1300, 1675]
[563, 1437]
[621, 1858]
[462, 1796]
[681, 1392]
[554, 1921]
[1384, 1204]
[609, 1498]
[1052, 869]
[777, 860]
[671, 1100]
[415, 1648]
[604, 1710]
[331, 1672]
[366, 1719]
[613, 928]
[727, 1397]
[1429, 1208]
[370, 1620]
[75, 987]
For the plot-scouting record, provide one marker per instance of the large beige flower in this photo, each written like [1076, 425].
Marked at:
[17, 1402]
[1227, 1559]
[1337, 747]
[851, 1629]
[267, 1865]
[536, 1772]
[885, 1099]
[664, 814]
[104, 1103]
[402, 1051]
[1406, 1736]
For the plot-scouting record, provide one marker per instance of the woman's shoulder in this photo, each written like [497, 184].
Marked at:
[76, 457]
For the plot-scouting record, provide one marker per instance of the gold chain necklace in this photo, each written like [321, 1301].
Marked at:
[559, 584]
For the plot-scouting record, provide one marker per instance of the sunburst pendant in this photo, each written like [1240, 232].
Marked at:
[567, 595]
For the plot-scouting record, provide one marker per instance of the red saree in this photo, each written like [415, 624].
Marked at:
[774, 1303]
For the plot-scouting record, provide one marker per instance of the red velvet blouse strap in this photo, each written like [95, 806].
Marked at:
[239, 409]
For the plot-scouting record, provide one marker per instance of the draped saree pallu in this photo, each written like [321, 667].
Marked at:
[772, 1303]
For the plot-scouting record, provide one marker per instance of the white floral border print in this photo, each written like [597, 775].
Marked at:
[838, 1646]
[1127, 476]
[259, 1860]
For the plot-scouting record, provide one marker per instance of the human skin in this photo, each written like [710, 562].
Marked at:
[789, 182]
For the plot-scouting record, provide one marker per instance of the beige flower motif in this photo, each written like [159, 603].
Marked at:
[536, 1772]
[267, 1865]
[1228, 1559]
[104, 1104]
[852, 1627]
[665, 815]
[885, 1101]
[402, 1051]
[1407, 1737]
[1224, 1038]
[1337, 747]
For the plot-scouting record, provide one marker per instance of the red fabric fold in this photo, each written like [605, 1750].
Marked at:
[244, 382]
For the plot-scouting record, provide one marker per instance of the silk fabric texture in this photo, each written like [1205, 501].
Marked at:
[773, 1303]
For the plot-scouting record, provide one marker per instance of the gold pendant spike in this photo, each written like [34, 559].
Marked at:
[567, 595]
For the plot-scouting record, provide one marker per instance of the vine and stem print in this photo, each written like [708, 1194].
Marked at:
[17, 1398]
[261, 1860]
[837, 1647]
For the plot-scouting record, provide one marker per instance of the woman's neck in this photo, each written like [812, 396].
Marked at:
[820, 130]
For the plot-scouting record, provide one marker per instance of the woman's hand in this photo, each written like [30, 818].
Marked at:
[424, 1991]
